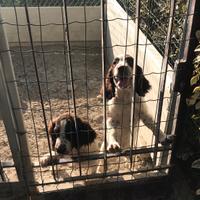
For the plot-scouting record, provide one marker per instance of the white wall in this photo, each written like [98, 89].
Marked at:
[52, 16]
[151, 60]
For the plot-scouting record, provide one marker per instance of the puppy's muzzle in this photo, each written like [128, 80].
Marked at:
[123, 77]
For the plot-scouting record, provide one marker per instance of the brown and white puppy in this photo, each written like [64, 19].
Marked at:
[119, 93]
[68, 139]
[119, 76]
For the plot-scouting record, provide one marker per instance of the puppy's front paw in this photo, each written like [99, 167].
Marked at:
[113, 147]
[46, 160]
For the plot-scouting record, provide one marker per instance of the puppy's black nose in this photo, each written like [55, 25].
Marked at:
[123, 71]
[61, 149]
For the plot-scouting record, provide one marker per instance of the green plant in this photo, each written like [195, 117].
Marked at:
[194, 100]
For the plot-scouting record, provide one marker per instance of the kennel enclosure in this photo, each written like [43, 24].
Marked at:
[53, 59]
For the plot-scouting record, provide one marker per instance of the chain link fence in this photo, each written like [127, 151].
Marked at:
[154, 19]
[35, 3]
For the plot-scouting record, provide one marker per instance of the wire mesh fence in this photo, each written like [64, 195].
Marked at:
[71, 130]
[154, 18]
[35, 3]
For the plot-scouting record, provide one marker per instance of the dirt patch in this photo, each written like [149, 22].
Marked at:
[50, 65]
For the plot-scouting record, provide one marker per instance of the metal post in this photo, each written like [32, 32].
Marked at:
[134, 131]
[104, 51]
[183, 61]
[11, 113]
[163, 77]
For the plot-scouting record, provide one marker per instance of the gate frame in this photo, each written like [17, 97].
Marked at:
[13, 119]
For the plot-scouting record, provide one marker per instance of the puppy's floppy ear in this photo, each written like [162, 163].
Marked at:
[52, 134]
[142, 85]
[109, 84]
[54, 128]
[86, 134]
[129, 60]
[115, 61]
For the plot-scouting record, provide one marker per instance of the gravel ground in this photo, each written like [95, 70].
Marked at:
[56, 97]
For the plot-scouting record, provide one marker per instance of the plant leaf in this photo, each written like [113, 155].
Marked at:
[197, 105]
[196, 60]
[196, 65]
[196, 164]
[197, 49]
[197, 34]
[197, 70]
[194, 79]
[196, 90]
[192, 100]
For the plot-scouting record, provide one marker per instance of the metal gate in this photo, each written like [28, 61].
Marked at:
[41, 79]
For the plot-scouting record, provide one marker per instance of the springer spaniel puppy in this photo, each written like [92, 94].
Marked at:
[67, 142]
[119, 93]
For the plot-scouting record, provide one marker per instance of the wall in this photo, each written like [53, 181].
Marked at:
[148, 58]
[51, 19]
[118, 30]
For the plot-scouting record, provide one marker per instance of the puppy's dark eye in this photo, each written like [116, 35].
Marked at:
[118, 78]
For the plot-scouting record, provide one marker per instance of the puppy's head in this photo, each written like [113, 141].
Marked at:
[65, 136]
[119, 76]
[122, 72]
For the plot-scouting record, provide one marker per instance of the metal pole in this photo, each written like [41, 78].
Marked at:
[180, 62]
[71, 76]
[163, 77]
[136, 40]
[103, 46]
[11, 113]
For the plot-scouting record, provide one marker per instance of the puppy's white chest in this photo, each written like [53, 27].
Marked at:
[119, 111]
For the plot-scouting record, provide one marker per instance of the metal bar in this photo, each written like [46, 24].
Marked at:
[24, 71]
[94, 176]
[137, 23]
[86, 69]
[47, 85]
[43, 58]
[2, 174]
[189, 25]
[71, 77]
[149, 24]
[65, 58]
[122, 114]
[59, 24]
[103, 44]
[182, 58]
[8, 119]
[38, 80]
[125, 152]
[163, 79]
[13, 119]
